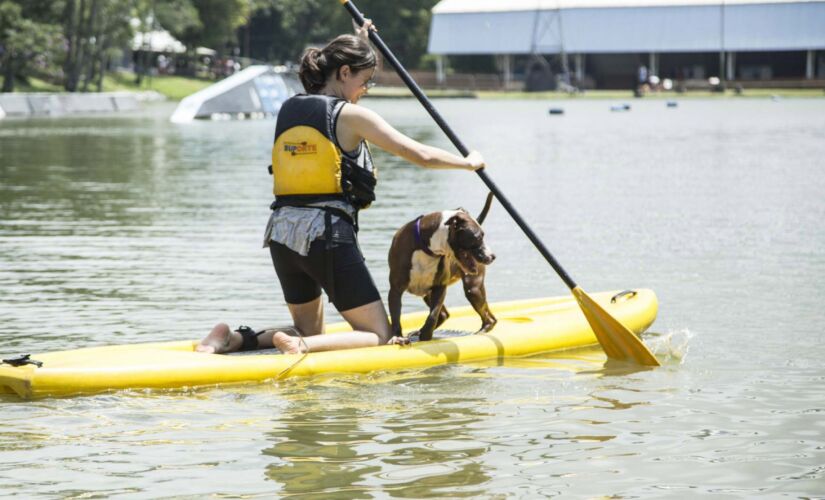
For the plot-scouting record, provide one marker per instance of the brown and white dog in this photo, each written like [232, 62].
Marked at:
[431, 253]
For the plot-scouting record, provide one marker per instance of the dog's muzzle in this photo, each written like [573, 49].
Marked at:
[483, 255]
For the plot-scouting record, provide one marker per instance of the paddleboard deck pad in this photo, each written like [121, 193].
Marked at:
[525, 327]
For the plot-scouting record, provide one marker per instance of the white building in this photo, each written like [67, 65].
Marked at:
[609, 40]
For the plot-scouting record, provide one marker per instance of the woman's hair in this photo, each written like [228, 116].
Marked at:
[346, 50]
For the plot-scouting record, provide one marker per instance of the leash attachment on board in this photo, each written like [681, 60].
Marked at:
[22, 360]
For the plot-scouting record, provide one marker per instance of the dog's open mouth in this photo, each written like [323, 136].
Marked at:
[467, 262]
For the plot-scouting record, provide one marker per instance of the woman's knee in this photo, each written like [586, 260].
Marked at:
[308, 318]
[371, 318]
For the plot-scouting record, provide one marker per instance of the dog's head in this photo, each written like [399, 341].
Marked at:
[466, 239]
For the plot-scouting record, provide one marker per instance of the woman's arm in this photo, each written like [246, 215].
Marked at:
[356, 123]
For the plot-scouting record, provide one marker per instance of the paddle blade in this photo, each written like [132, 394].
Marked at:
[616, 339]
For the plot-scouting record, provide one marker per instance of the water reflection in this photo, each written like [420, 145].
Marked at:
[342, 439]
[317, 447]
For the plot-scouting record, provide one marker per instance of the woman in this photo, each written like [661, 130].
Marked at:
[323, 174]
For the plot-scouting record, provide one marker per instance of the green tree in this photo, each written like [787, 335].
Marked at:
[91, 29]
[176, 16]
[208, 23]
[404, 26]
[299, 23]
[26, 44]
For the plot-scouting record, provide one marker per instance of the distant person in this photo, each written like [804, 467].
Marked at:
[640, 86]
[323, 175]
[163, 64]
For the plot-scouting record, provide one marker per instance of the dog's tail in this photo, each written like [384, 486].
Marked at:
[486, 209]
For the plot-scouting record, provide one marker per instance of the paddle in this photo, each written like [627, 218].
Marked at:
[617, 340]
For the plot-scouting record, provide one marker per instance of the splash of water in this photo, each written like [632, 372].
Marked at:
[671, 346]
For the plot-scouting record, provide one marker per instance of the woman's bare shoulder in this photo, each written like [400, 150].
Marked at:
[354, 113]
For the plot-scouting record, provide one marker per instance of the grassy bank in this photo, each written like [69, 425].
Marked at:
[173, 87]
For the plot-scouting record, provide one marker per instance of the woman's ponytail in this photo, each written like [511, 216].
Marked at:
[313, 72]
[317, 65]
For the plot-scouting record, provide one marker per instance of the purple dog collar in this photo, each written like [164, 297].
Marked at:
[419, 243]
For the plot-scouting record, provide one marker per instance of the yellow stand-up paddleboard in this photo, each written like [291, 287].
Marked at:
[524, 328]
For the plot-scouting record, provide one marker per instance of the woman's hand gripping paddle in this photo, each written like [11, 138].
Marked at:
[616, 339]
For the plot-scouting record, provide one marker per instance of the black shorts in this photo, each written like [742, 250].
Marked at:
[302, 278]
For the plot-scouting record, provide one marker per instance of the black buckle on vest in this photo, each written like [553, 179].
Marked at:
[23, 360]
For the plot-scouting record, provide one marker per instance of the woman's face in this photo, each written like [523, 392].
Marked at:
[355, 84]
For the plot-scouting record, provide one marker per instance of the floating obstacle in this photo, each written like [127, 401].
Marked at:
[256, 92]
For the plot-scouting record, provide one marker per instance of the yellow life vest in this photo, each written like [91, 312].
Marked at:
[307, 164]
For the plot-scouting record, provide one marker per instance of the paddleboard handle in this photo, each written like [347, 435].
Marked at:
[631, 293]
[23, 359]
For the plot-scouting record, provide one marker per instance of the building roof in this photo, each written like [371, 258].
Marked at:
[465, 6]
[605, 26]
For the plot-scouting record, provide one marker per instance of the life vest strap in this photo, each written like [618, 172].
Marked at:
[306, 201]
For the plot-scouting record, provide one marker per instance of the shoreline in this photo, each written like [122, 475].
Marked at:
[404, 93]
[51, 103]
[35, 104]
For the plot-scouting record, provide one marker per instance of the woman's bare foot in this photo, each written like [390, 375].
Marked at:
[287, 344]
[218, 341]
[398, 340]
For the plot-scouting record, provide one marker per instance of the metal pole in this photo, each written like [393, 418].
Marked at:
[809, 66]
[722, 43]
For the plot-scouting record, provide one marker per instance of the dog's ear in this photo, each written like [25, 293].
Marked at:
[462, 209]
[454, 221]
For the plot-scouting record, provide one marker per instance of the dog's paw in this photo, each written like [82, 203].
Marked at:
[399, 341]
[487, 328]
[421, 336]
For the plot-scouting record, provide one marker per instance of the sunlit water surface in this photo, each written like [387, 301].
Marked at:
[131, 229]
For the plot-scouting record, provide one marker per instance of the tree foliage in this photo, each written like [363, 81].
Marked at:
[71, 42]
[26, 45]
[92, 29]
[207, 23]
[296, 24]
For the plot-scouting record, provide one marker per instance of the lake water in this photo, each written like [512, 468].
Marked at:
[123, 229]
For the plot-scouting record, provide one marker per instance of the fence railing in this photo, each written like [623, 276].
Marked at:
[457, 81]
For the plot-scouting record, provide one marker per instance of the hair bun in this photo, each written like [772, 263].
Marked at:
[317, 65]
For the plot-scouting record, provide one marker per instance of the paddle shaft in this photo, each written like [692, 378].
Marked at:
[419, 94]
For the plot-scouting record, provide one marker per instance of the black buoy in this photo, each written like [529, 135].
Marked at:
[672, 104]
[556, 111]
[620, 107]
